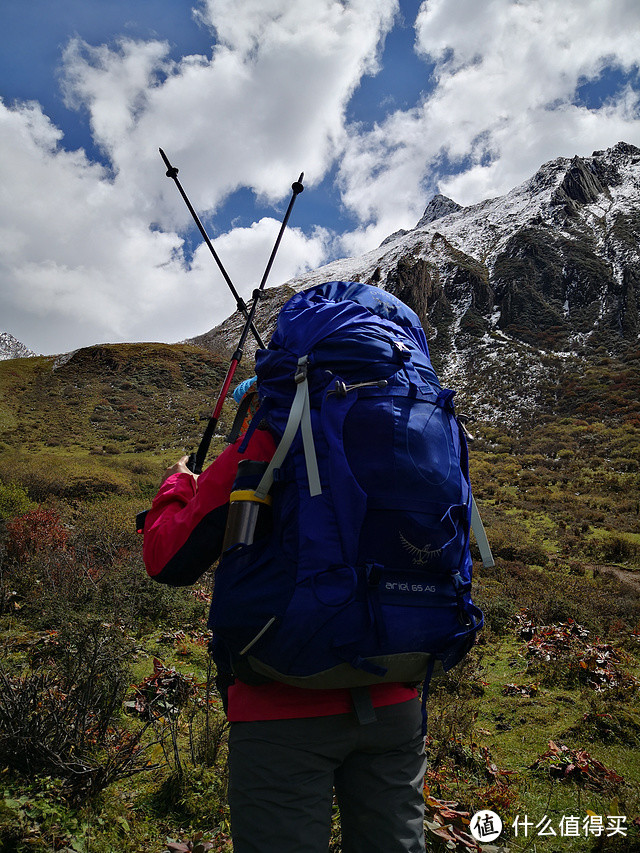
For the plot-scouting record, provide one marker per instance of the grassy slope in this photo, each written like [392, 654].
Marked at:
[560, 498]
[107, 420]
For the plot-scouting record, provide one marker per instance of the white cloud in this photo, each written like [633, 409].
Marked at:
[268, 104]
[78, 261]
[92, 253]
[504, 100]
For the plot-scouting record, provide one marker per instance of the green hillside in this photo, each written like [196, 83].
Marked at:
[107, 420]
[111, 733]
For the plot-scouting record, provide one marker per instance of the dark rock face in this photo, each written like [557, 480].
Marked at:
[625, 236]
[587, 179]
[580, 185]
[412, 282]
[548, 287]
[437, 292]
[439, 206]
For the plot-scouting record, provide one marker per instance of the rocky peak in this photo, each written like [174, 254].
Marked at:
[10, 347]
[439, 206]
[583, 183]
[587, 178]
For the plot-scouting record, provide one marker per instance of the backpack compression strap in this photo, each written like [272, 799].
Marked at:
[299, 416]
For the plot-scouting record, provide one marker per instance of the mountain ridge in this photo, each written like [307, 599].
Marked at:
[524, 285]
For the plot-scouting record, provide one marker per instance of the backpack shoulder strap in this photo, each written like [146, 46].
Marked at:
[241, 414]
[299, 416]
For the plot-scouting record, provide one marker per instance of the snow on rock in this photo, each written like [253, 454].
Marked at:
[10, 347]
[514, 285]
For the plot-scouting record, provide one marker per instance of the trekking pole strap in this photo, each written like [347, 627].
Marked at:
[299, 416]
[241, 414]
[481, 536]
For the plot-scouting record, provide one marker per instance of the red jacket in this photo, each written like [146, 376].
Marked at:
[184, 528]
[183, 536]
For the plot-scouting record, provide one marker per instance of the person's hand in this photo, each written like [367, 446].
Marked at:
[179, 468]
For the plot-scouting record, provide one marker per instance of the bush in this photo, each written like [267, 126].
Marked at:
[512, 541]
[14, 500]
[141, 603]
[498, 609]
[613, 548]
[60, 718]
[34, 532]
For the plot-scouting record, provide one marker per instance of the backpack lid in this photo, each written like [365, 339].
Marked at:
[313, 314]
[349, 324]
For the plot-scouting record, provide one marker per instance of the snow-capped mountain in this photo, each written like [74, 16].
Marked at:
[515, 284]
[10, 347]
[558, 253]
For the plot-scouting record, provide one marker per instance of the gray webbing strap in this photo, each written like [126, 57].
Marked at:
[299, 416]
[481, 537]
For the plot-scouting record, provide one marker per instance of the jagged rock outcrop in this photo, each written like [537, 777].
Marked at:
[11, 347]
[580, 185]
[438, 207]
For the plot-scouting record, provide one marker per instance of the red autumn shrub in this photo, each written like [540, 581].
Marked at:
[38, 530]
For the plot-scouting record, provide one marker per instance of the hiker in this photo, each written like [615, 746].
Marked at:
[345, 715]
[289, 747]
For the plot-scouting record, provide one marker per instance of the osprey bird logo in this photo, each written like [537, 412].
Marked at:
[420, 555]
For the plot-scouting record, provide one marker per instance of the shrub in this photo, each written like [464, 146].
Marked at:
[40, 566]
[127, 593]
[512, 541]
[498, 609]
[613, 548]
[14, 500]
[35, 531]
[59, 718]
[104, 534]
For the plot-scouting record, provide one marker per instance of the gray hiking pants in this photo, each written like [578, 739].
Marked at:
[282, 775]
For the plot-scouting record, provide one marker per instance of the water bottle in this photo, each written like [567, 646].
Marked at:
[249, 517]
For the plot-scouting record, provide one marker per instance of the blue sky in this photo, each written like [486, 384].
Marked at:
[381, 103]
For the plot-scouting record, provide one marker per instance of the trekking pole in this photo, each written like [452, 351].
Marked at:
[172, 172]
[196, 460]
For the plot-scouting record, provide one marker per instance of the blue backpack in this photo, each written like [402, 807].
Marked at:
[365, 574]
